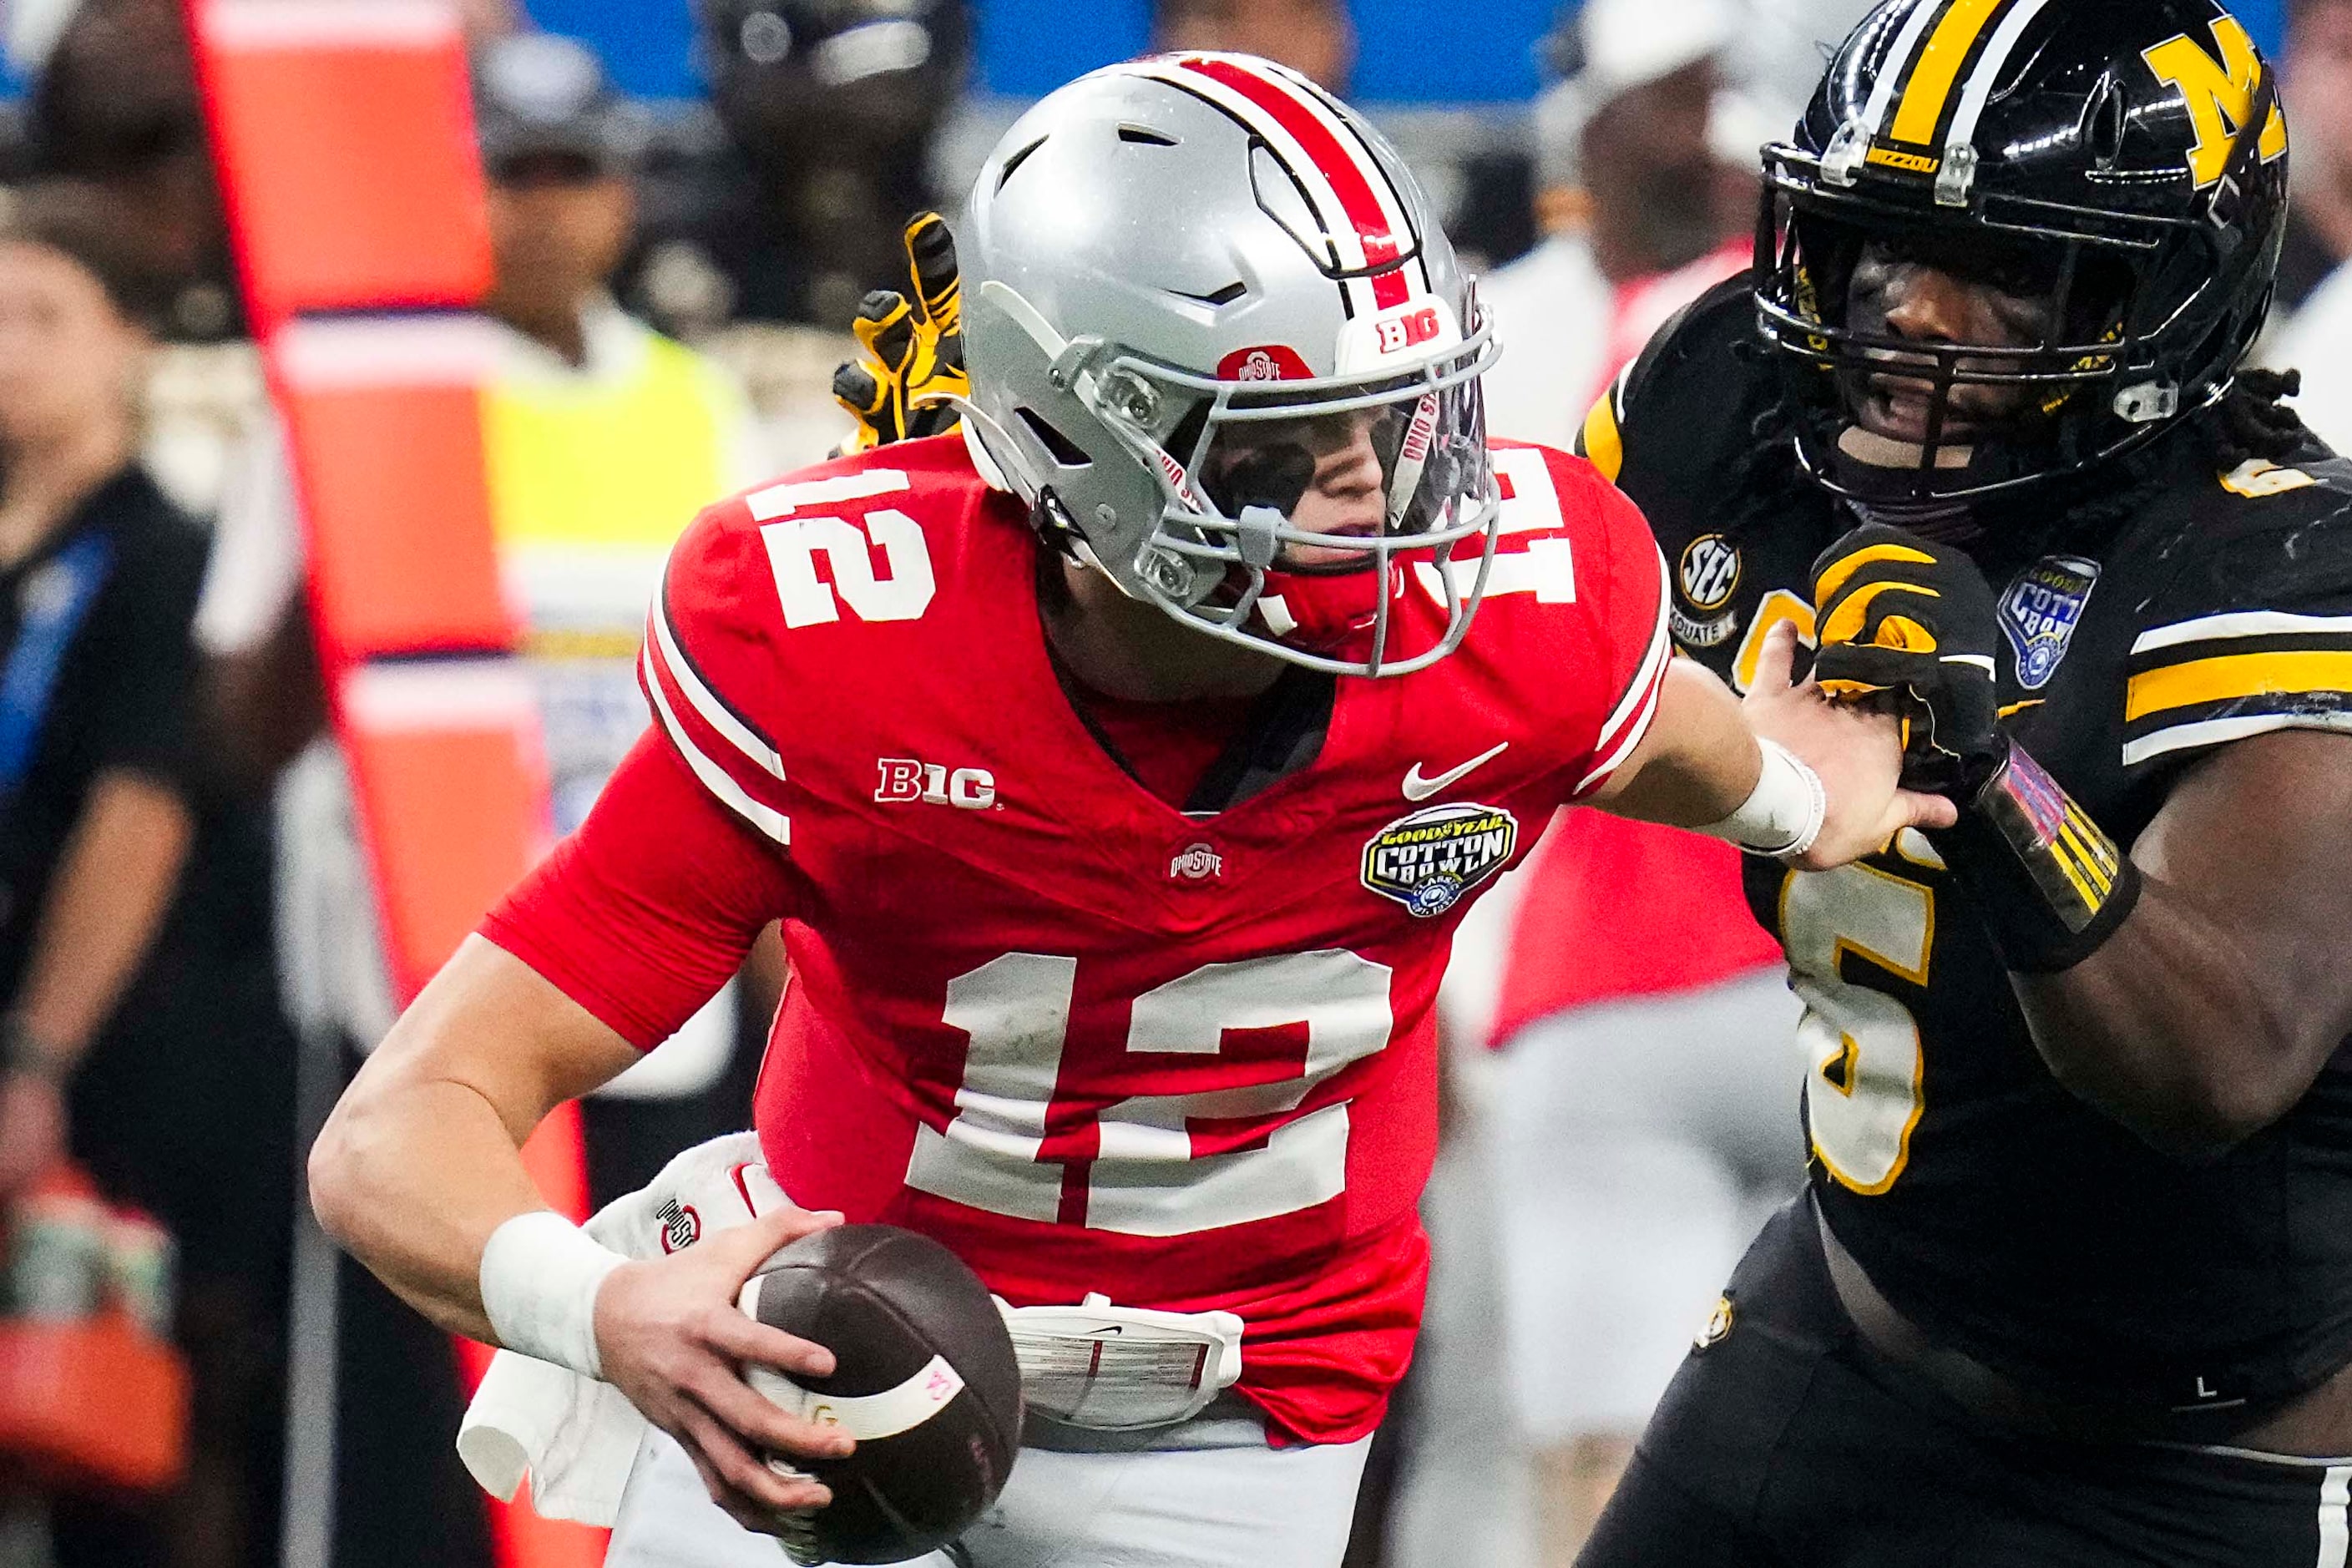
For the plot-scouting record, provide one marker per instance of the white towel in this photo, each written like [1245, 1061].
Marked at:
[574, 1436]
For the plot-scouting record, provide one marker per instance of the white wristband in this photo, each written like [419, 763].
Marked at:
[539, 1276]
[1783, 815]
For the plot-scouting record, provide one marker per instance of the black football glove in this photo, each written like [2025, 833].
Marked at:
[913, 345]
[1904, 620]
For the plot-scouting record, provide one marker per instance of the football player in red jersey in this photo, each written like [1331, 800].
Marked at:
[1117, 889]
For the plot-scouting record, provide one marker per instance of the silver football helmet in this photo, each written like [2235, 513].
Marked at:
[1219, 342]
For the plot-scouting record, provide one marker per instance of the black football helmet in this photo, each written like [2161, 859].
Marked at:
[828, 81]
[2120, 163]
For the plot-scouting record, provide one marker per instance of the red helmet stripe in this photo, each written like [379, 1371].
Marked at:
[1349, 172]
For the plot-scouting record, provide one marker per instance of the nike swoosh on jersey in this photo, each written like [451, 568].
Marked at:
[1418, 789]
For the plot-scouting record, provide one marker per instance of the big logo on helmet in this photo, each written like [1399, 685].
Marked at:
[1399, 334]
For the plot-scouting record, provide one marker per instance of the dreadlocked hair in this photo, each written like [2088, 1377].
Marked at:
[2253, 423]
[2250, 424]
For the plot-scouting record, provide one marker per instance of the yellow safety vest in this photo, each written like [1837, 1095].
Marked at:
[608, 462]
[592, 478]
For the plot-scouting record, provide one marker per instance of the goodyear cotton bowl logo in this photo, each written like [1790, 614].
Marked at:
[1428, 860]
[2040, 612]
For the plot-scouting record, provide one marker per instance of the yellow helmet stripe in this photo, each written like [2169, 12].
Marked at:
[1890, 74]
[1981, 80]
[1920, 114]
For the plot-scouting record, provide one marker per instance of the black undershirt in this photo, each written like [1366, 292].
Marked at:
[1282, 732]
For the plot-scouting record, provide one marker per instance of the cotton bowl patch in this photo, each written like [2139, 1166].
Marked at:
[1428, 860]
[2040, 612]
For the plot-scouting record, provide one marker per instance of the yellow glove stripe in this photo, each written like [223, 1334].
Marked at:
[1845, 689]
[941, 299]
[1844, 624]
[1903, 634]
[1836, 577]
[897, 325]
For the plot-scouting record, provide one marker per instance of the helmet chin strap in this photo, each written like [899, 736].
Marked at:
[1895, 493]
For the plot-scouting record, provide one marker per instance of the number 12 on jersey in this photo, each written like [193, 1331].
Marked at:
[1152, 1164]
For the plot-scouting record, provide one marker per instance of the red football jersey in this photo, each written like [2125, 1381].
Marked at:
[1091, 1042]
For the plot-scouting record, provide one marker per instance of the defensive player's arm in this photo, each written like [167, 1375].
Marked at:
[2210, 1012]
[2194, 986]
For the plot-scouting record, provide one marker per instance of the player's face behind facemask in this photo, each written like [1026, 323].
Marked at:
[1941, 359]
[1320, 517]
[1330, 476]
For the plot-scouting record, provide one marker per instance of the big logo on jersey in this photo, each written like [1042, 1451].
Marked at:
[2039, 613]
[1428, 860]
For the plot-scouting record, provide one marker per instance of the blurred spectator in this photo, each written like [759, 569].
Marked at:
[829, 108]
[1783, 47]
[117, 105]
[1314, 37]
[99, 574]
[603, 440]
[486, 20]
[1645, 169]
[2318, 77]
[98, 578]
[595, 424]
[2313, 277]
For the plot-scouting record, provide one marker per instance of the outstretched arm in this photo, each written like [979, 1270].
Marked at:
[1702, 763]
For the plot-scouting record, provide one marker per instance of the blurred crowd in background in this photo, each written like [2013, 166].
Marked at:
[187, 931]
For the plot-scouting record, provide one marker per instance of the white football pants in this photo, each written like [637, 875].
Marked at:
[1639, 1146]
[1207, 1494]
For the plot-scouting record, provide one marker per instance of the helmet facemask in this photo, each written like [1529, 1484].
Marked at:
[2059, 379]
[1302, 518]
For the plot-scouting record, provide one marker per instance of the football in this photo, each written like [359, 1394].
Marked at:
[925, 1381]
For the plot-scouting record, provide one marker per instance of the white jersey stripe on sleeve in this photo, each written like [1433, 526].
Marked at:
[2241, 624]
[662, 645]
[1634, 735]
[733, 795]
[2220, 731]
[1653, 663]
[1631, 722]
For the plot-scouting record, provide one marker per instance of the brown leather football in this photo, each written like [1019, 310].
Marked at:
[924, 1380]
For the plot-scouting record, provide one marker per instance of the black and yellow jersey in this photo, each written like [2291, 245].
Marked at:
[2174, 611]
